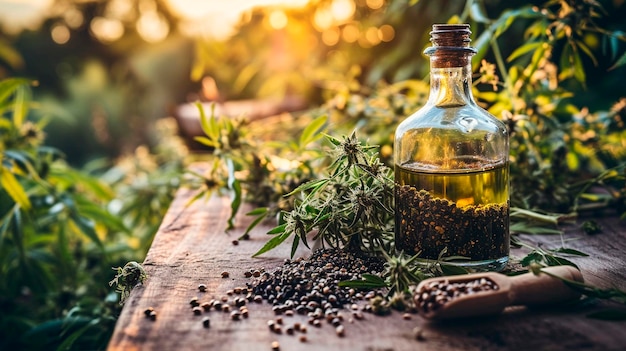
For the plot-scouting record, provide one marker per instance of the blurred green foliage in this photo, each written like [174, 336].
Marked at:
[62, 229]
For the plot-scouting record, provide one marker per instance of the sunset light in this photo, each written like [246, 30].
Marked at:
[216, 18]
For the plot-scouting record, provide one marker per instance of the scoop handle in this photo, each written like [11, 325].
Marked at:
[543, 289]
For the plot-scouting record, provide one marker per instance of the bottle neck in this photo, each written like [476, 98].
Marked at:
[450, 86]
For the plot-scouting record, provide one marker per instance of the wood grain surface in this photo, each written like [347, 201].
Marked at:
[192, 248]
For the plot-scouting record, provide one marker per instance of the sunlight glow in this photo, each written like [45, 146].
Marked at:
[278, 19]
[17, 15]
[375, 4]
[371, 34]
[73, 18]
[342, 10]
[152, 27]
[217, 18]
[60, 33]
[386, 33]
[106, 30]
[322, 19]
[331, 36]
[350, 33]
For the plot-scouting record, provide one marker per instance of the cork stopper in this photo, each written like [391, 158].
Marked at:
[451, 45]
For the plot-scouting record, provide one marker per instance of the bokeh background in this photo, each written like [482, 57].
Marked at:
[106, 70]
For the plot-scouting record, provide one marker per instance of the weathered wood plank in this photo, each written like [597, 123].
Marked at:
[192, 247]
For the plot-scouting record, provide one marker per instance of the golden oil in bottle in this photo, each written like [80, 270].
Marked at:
[451, 166]
[464, 213]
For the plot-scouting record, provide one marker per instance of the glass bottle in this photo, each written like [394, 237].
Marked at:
[452, 166]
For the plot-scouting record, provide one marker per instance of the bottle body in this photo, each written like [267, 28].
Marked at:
[452, 175]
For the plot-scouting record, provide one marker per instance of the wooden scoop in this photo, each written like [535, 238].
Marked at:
[490, 292]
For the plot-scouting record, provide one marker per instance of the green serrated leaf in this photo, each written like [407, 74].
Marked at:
[294, 245]
[86, 226]
[369, 281]
[278, 229]
[8, 86]
[309, 185]
[524, 49]
[533, 228]
[477, 12]
[206, 141]
[272, 243]
[258, 211]
[579, 69]
[620, 62]
[13, 187]
[570, 252]
[311, 132]
[451, 269]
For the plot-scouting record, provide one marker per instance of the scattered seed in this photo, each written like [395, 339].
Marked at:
[202, 288]
[302, 338]
[225, 274]
[194, 302]
[240, 302]
[153, 315]
[235, 315]
[148, 311]
[197, 310]
[206, 306]
[275, 346]
[419, 334]
[340, 331]
[406, 316]
[235, 242]
[206, 322]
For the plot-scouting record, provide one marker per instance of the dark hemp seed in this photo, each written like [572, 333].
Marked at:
[428, 224]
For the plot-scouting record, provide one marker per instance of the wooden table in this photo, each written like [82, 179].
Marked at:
[192, 248]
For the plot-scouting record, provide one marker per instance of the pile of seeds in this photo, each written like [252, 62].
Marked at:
[433, 295]
[429, 224]
[310, 286]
